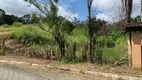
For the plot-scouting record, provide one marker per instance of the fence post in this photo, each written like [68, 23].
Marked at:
[3, 47]
[51, 55]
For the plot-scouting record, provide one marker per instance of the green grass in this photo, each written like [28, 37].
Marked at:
[31, 34]
[114, 54]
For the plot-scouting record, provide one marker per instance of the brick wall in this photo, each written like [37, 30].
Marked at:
[136, 50]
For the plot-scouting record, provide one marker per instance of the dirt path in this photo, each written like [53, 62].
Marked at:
[9, 72]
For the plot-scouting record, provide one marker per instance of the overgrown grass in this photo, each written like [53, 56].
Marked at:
[31, 35]
[78, 36]
[111, 55]
[17, 24]
[40, 39]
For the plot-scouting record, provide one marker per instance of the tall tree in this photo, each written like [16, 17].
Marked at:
[141, 10]
[90, 32]
[127, 9]
[55, 22]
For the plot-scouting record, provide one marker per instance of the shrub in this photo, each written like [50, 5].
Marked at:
[17, 24]
[5, 26]
[119, 40]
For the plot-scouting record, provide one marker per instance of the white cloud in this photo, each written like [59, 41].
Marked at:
[16, 7]
[20, 7]
[68, 14]
[111, 9]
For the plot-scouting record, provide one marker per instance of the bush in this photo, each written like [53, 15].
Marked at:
[5, 26]
[17, 24]
[119, 40]
[110, 42]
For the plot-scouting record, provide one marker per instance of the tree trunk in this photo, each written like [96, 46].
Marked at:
[61, 44]
[62, 49]
[90, 49]
[127, 9]
[74, 50]
[141, 10]
[90, 33]
[129, 4]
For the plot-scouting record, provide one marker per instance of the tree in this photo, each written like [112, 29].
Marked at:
[141, 10]
[34, 18]
[127, 9]
[2, 13]
[90, 32]
[27, 18]
[56, 23]
[8, 19]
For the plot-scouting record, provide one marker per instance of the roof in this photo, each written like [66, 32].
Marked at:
[137, 26]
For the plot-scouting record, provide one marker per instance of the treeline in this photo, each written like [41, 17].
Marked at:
[10, 19]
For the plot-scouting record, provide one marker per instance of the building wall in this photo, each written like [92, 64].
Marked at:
[136, 50]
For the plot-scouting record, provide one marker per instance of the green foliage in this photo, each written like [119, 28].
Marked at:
[98, 49]
[9, 19]
[96, 24]
[17, 24]
[111, 55]
[5, 26]
[59, 26]
[119, 40]
[66, 39]
[31, 35]
[34, 18]
[78, 35]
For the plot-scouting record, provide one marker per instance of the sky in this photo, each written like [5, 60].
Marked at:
[109, 10]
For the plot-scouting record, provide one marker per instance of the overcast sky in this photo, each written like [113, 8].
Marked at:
[104, 9]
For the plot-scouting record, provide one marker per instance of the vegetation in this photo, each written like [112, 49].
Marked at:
[93, 40]
[107, 50]
[31, 35]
